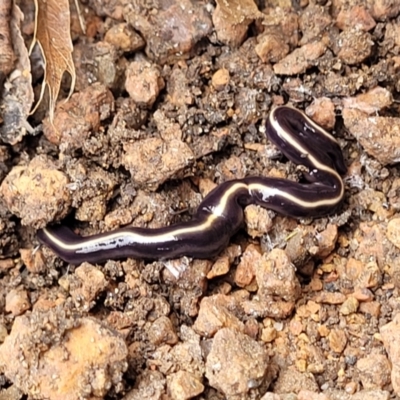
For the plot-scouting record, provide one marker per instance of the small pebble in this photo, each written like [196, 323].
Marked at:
[298, 61]
[372, 308]
[143, 82]
[220, 79]
[219, 268]
[182, 385]
[393, 231]
[236, 363]
[337, 340]
[374, 371]
[17, 302]
[349, 306]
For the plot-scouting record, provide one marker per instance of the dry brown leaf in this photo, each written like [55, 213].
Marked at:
[52, 33]
[239, 10]
[17, 94]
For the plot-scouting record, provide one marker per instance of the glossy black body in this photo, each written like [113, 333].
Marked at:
[220, 214]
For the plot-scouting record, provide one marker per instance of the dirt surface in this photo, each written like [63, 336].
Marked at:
[171, 99]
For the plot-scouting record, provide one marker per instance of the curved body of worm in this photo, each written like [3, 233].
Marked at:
[220, 214]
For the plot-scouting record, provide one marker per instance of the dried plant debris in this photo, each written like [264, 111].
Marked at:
[171, 100]
[7, 57]
[17, 92]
